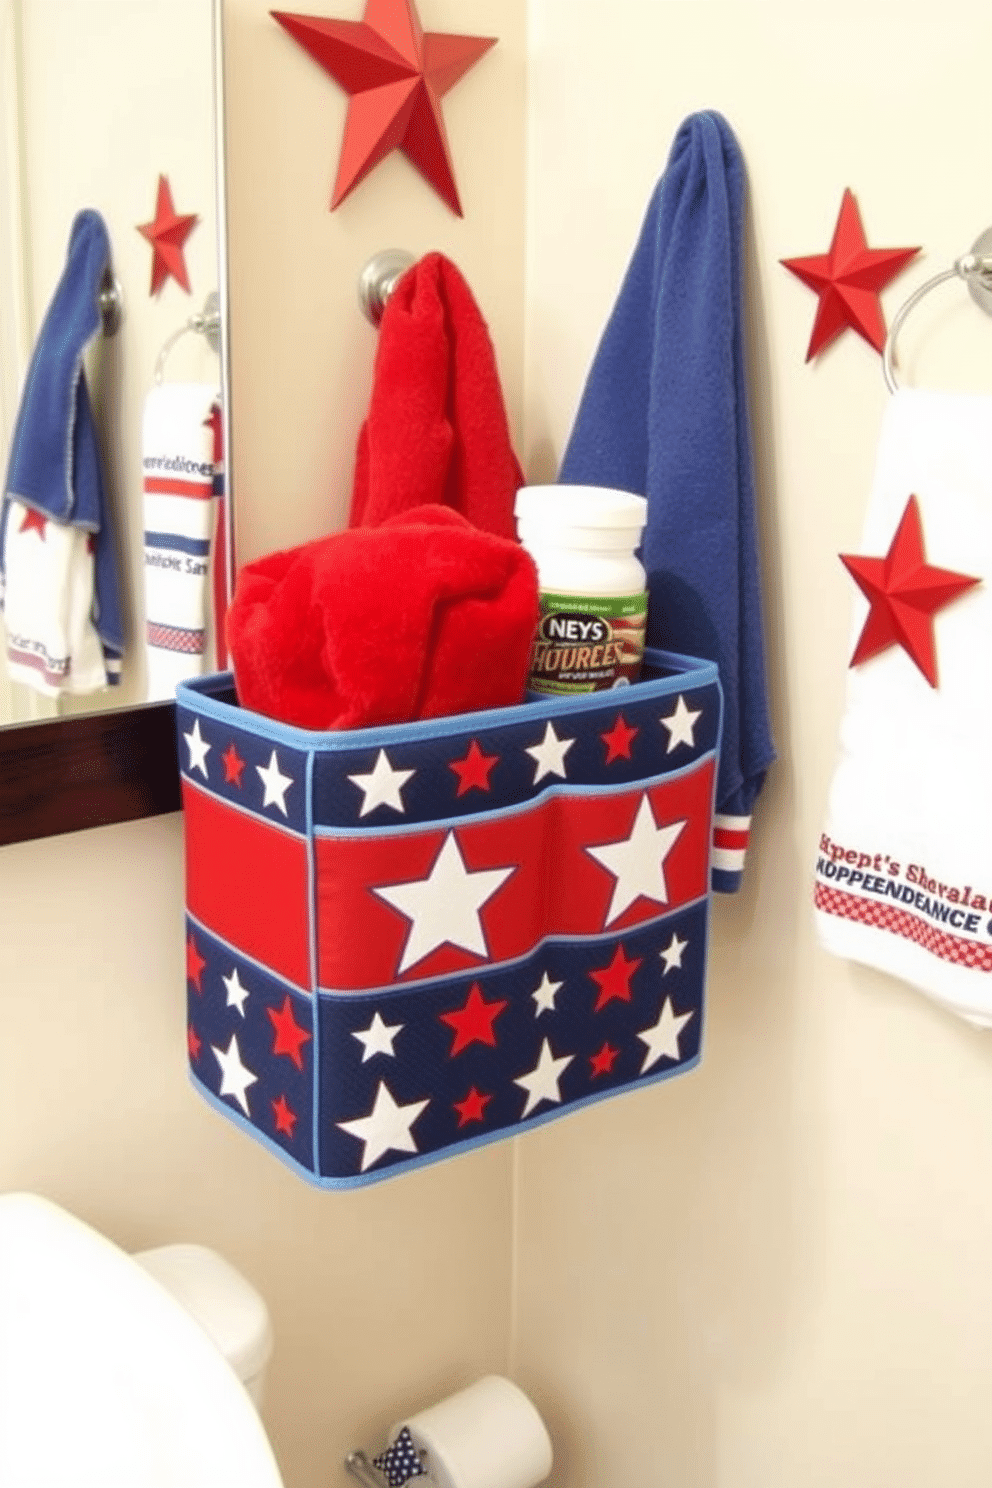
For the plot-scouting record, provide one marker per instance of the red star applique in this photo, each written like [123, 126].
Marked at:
[473, 1023]
[290, 1037]
[194, 964]
[193, 1042]
[285, 1118]
[473, 770]
[473, 1107]
[602, 1063]
[233, 766]
[395, 75]
[614, 980]
[33, 521]
[905, 592]
[167, 234]
[848, 281]
[619, 740]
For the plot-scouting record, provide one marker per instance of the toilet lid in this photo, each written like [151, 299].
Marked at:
[105, 1381]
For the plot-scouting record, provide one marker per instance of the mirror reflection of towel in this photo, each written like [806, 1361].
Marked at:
[59, 583]
[179, 439]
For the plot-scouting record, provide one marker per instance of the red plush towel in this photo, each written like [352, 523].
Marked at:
[421, 617]
[436, 429]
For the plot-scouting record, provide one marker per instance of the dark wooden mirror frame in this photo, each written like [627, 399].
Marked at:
[66, 774]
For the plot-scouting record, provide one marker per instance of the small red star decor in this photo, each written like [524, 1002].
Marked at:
[848, 280]
[905, 592]
[290, 1037]
[234, 766]
[619, 740]
[194, 965]
[33, 521]
[473, 770]
[473, 1023]
[167, 235]
[285, 1116]
[473, 1107]
[395, 75]
[614, 980]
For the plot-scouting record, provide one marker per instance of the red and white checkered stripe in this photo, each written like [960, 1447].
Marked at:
[883, 915]
[730, 835]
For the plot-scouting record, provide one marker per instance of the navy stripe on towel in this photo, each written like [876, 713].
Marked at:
[174, 542]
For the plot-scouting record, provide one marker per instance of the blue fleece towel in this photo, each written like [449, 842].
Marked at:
[664, 414]
[55, 465]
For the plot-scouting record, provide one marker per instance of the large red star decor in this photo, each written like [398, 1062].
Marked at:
[167, 235]
[395, 75]
[848, 280]
[904, 592]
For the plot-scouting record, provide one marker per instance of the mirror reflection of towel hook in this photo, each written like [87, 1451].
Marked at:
[379, 278]
[205, 322]
[975, 268]
[111, 303]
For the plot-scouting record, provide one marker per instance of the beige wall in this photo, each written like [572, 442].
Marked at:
[389, 1298]
[774, 1271]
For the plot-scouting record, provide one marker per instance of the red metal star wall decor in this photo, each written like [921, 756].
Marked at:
[395, 75]
[167, 235]
[905, 592]
[848, 280]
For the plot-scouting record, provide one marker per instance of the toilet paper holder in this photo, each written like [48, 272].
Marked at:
[361, 1468]
[366, 1472]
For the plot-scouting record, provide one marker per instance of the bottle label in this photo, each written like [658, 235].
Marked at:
[586, 643]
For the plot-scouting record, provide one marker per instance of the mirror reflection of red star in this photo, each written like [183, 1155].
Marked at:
[905, 592]
[167, 235]
[848, 280]
[395, 75]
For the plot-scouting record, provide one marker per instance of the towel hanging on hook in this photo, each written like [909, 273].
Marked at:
[975, 268]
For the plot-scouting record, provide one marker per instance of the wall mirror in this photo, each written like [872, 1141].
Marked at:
[73, 136]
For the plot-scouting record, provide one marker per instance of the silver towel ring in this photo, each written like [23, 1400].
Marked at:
[975, 268]
[205, 322]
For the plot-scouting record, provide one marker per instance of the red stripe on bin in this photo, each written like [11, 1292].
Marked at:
[247, 882]
[556, 887]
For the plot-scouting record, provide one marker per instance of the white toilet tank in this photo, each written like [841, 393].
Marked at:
[106, 1381]
[222, 1301]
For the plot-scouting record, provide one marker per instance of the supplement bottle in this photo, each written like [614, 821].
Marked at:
[593, 587]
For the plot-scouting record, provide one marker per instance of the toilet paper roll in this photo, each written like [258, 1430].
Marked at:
[486, 1436]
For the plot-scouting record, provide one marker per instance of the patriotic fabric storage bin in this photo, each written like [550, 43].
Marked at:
[404, 942]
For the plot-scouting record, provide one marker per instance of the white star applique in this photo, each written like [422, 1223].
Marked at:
[377, 1038]
[198, 749]
[662, 1038]
[443, 908]
[235, 1076]
[681, 725]
[672, 954]
[382, 785]
[541, 1083]
[386, 1128]
[276, 784]
[236, 994]
[638, 862]
[544, 996]
[549, 755]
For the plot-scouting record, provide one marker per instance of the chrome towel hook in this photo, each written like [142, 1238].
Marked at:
[379, 278]
[975, 268]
